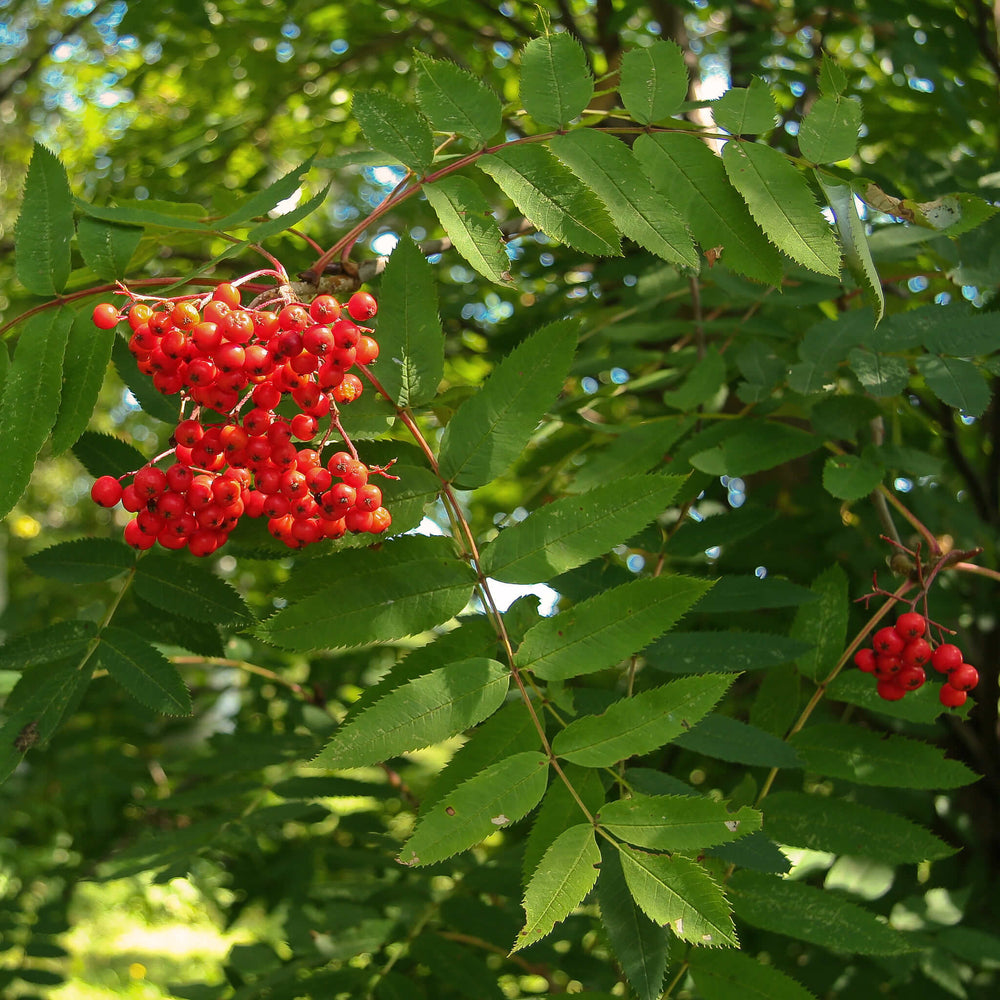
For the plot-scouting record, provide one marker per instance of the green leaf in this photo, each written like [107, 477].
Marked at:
[426, 710]
[956, 382]
[748, 593]
[493, 426]
[187, 590]
[57, 641]
[723, 738]
[272, 227]
[806, 913]
[952, 329]
[409, 331]
[395, 128]
[782, 205]
[851, 477]
[36, 706]
[823, 623]
[566, 874]
[641, 947]
[609, 168]
[921, 706]
[569, 532]
[654, 81]
[829, 132]
[869, 758]
[143, 671]
[180, 216]
[701, 383]
[879, 374]
[601, 631]
[677, 891]
[31, 398]
[676, 822]
[44, 226]
[85, 363]
[466, 216]
[756, 447]
[104, 455]
[83, 560]
[734, 975]
[692, 177]
[644, 722]
[405, 587]
[141, 386]
[553, 198]
[264, 201]
[456, 101]
[556, 84]
[719, 652]
[746, 110]
[853, 240]
[107, 247]
[495, 798]
[832, 79]
[821, 823]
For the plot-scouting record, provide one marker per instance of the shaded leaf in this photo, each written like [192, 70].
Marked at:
[54, 642]
[755, 447]
[83, 560]
[735, 975]
[107, 247]
[823, 623]
[456, 101]
[851, 477]
[704, 651]
[395, 128]
[44, 226]
[272, 227]
[748, 593]
[723, 738]
[956, 383]
[190, 591]
[149, 213]
[653, 81]
[265, 201]
[104, 455]
[879, 374]
[701, 383]
[556, 84]
[829, 131]
[143, 671]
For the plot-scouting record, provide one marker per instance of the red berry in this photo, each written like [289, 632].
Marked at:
[864, 659]
[366, 351]
[150, 482]
[325, 309]
[106, 316]
[369, 497]
[887, 640]
[951, 697]
[886, 666]
[911, 678]
[358, 520]
[362, 305]
[915, 653]
[911, 625]
[890, 690]
[106, 491]
[946, 658]
[963, 678]
[227, 293]
[381, 519]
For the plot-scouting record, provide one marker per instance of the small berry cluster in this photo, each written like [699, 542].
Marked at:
[900, 652]
[223, 358]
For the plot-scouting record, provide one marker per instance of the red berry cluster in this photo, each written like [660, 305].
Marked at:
[900, 652]
[242, 363]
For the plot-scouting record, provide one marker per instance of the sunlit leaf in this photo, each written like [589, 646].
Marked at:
[44, 226]
[654, 81]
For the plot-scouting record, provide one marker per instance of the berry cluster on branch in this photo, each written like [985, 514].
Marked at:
[232, 452]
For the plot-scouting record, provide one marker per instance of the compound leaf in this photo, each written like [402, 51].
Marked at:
[724, 738]
[823, 623]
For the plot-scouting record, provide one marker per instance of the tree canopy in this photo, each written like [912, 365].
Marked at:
[664, 339]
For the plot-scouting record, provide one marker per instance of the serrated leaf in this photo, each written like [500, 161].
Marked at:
[851, 477]
[723, 738]
[677, 891]
[641, 947]
[36, 706]
[407, 586]
[190, 591]
[829, 132]
[553, 198]
[609, 168]
[676, 822]
[701, 383]
[832, 79]
[491, 428]
[653, 83]
[956, 382]
[141, 385]
[411, 341]
[952, 329]
[104, 455]
[83, 560]
[31, 398]
[746, 110]
[720, 652]
[467, 218]
[495, 798]
[868, 758]
[456, 101]
[748, 593]
[693, 178]
[823, 623]
[821, 823]
[854, 241]
[395, 128]
[556, 84]
[569, 532]
[272, 227]
[634, 726]
[568, 871]
[755, 447]
[879, 374]
[601, 631]
[85, 363]
[185, 217]
[264, 201]
[734, 975]
[107, 247]
[143, 671]
[782, 205]
[922, 706]
[809, 914]
[426, 710]
[44, 226]
[54, 642]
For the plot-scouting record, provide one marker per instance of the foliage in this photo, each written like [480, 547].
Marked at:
[683, 359]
